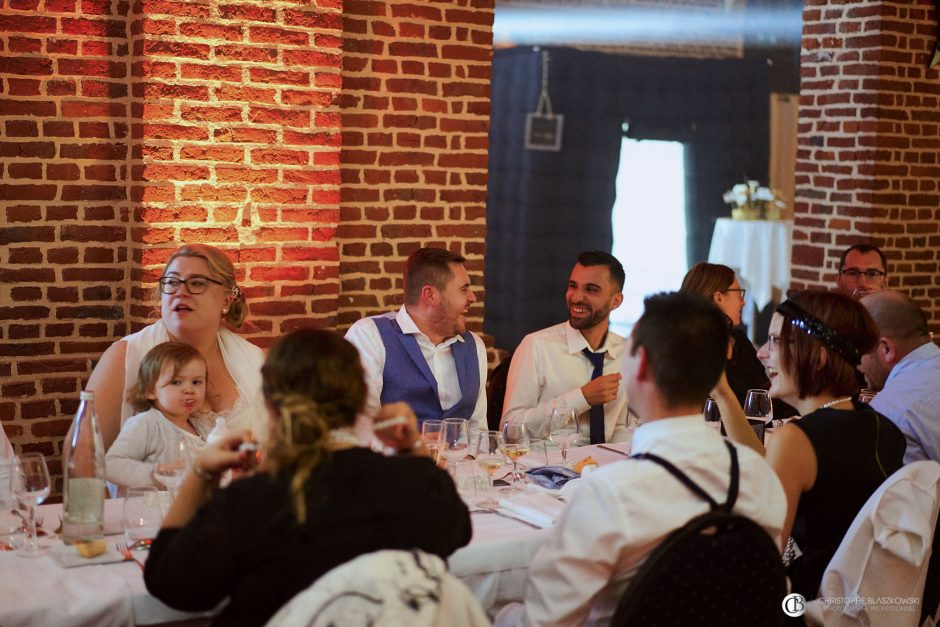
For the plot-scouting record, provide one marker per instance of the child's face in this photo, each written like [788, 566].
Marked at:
[180, 394]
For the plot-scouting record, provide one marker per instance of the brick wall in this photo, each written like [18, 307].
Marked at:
[867, 166]
[415, 116]
[318, 143]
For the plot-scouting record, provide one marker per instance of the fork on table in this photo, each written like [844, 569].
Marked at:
[125, 552]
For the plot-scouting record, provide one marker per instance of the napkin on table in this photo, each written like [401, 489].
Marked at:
[552, 477]
[539, 509]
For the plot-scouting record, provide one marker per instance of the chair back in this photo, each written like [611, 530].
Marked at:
[720, 569]
[877, 575]
[384, 589]
[496, 393]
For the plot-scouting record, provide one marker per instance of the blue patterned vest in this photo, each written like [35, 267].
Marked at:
[408, 378]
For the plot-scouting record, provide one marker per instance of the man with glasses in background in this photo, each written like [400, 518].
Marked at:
[863, 269]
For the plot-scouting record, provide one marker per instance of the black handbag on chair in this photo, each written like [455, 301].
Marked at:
[720, 569]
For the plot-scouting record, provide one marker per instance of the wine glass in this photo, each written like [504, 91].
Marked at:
[31, 487]
[711, 412]
[489, 458]
[171, 463]
[431, 434]
[866, 395]
[455, 441]
[141, 517]
[11, 525]
[758, 410]
[564, 429]
[515, 445]
[757, 405]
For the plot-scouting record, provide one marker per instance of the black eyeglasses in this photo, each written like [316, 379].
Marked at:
[855, 273]
[196, 284]
[737, 289]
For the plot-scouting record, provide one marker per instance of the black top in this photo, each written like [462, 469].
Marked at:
[244, 543]
[745, 372]
[849, 446]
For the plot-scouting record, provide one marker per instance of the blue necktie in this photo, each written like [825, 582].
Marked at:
[597, 411]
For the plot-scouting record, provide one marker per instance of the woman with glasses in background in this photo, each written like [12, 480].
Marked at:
[744, 371]
[198, 298]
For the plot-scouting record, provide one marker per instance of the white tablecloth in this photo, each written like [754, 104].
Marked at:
[37, 591]
[495, 565]
[758, 251]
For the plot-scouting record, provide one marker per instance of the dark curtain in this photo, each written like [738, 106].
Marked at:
[543, 208]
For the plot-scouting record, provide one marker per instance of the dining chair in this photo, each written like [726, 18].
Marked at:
[386, 588]
[720, 569]
[881, 565]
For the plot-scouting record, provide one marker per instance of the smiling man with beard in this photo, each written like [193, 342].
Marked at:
[575, 364]
[423, 354]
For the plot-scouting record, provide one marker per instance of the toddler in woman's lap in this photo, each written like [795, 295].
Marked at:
[171, 388]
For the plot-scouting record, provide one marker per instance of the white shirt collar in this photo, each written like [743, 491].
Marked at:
[676, 428]
[577, 343]
[408, 327]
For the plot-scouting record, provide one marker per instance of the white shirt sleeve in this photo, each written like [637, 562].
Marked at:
[478, 419]
[577, 560]
[129, 461]
[524, 388]
[364, 335]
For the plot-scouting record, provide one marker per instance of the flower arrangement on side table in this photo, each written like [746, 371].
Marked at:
[750, 201]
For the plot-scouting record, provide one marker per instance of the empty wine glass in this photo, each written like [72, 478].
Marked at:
[564, 430]
[141, 517]
[489, 458]
[31, 487]
[171, 463]
[515, 445]
[455, 441]
[11, 525]
[431, 434]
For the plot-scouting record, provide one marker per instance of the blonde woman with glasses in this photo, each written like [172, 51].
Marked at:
[199, 300]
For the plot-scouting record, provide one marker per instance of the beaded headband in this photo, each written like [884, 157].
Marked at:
[816, 329]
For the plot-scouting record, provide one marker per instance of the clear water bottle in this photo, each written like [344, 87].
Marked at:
[83, 462]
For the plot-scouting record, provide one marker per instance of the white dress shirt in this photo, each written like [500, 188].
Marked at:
[364, 335]
[911, 400]
[548, 370]
[624, 510]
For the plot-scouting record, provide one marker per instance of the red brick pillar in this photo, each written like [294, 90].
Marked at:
[416, 104]
[867, 163]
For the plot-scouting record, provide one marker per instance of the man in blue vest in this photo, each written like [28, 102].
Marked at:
[423, 354]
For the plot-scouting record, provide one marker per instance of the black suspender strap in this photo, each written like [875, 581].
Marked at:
[728, 505]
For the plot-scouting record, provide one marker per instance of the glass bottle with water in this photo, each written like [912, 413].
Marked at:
[84, 488]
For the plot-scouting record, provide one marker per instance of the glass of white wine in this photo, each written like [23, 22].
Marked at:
[563, 430]
[515, 445]
[489, 458]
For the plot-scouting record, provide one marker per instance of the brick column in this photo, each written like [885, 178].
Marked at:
[129, 129]
[867, 165]
[416, 104]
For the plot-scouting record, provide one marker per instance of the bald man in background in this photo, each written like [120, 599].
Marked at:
[905, 366]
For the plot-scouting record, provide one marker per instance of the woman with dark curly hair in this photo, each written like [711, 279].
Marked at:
[319, 500]
[832, 459]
